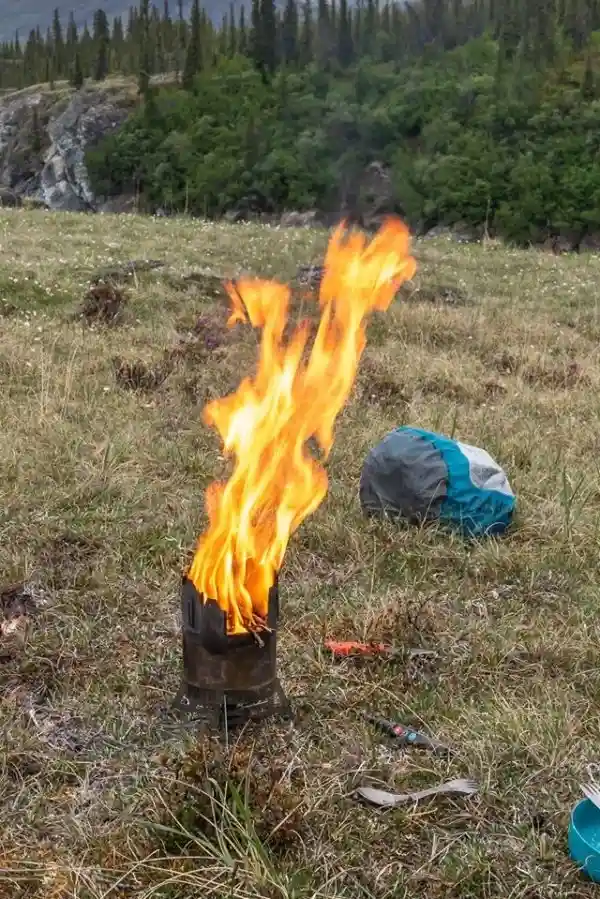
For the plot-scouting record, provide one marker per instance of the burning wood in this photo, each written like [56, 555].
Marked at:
[266, 425]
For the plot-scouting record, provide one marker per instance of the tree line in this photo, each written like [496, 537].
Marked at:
[483, 113]
[331, 34]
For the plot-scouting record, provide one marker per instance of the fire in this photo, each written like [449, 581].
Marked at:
[296, 394]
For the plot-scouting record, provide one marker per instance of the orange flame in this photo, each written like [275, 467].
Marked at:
[295, 395]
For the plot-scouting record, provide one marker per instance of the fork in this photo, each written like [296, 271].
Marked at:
[390, 800]
[592, 792]
[592, 789]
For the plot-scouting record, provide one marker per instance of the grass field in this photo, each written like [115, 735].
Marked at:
[101, 502]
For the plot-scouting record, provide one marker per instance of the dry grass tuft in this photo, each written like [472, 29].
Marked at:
[102, 500]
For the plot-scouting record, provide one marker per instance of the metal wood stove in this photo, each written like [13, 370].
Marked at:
[228, 679]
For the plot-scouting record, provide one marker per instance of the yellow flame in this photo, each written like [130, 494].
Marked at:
[295, 395]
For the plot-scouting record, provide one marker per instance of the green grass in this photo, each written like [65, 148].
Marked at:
[102, 500]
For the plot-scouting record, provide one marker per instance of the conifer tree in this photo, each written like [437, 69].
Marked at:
[193, 56]
[306, 34]
[588, 84]
[370, 28]
[117, 46]
[71, 43]
[255, 41]
[77, 74]
[268, 19]
[289, 33]
[232, 41]
[263, 37]
[58, 46]
[356, 27]
[324, 34]
[101, 39]
[145, 63]
[86, 50]
[345, 42]
[49, 71]
[180, 40]
[576, 14]
[31, 59]
[223, 37]
[510, 30]
[166, 39]
[242, 42]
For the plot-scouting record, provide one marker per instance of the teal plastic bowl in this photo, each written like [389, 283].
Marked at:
[584, 838]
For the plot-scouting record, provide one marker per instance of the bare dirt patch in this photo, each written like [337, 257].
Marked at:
[17, 605]
[377, 385]
[7, 309]
[208, 332]
[138, 375]
[207, 285]
[103, 304]
[545, 371]
[66, 560]
[434, 293]
[555, 375]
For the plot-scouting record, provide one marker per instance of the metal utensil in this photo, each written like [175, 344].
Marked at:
[390, 800]
[408, 736]
[592, 792]
[592, 788]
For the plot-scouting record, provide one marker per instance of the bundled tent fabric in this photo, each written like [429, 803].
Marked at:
[421, 476]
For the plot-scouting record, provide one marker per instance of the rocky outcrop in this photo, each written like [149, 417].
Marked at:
[460, 233]
[43, 138]
[309, 219]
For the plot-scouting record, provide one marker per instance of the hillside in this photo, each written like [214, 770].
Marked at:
[105, 462]
[456, 146]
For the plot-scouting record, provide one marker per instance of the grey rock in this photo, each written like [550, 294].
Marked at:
[124, 204]
[43, 139]
[566, 242]
[463, 233]
[438, 231]
[233, 216]
[307, 219]
[590, 243]
[460, 233]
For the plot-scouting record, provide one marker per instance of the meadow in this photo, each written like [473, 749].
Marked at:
[105, 460]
